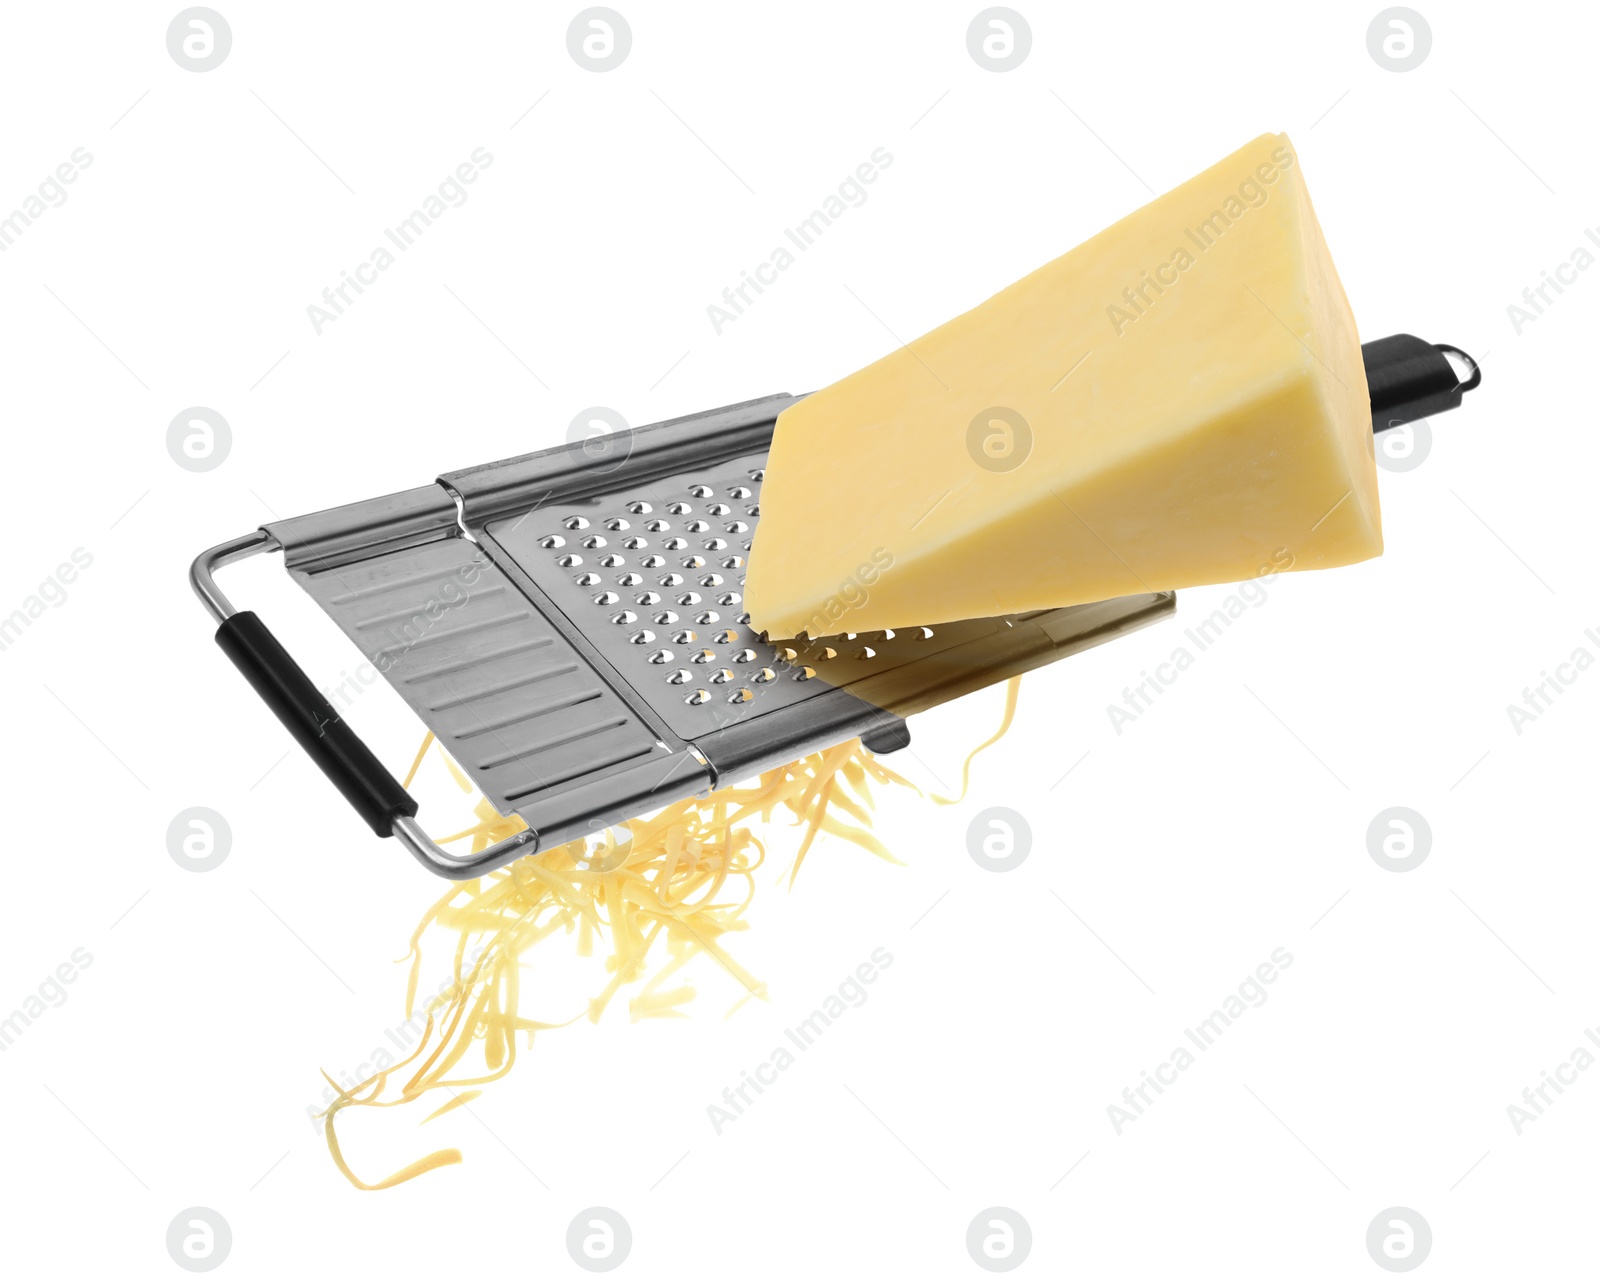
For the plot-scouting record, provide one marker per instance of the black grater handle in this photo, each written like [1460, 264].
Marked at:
[1408, 378]
[310, 718]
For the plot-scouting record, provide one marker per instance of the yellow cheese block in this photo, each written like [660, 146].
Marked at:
[1180, 400]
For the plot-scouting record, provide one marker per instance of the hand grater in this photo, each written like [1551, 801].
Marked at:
[569, 624]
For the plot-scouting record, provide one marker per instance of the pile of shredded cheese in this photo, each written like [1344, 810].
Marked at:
[662, 894]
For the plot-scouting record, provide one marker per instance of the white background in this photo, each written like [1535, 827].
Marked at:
[1229, 820]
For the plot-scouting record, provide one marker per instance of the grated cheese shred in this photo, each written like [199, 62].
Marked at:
[666, 891]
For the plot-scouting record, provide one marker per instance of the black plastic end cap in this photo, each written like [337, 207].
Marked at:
[887, 738]
[1408, 379]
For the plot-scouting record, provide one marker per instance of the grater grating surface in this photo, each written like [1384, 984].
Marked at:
[654, 574]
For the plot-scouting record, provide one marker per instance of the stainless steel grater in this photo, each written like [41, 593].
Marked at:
[570, 625]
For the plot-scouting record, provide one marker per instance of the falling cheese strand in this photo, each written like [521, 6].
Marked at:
[1013, 688]
[666, 882]
[422, 752]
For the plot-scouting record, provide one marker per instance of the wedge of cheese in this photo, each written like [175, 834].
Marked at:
[1180, 400]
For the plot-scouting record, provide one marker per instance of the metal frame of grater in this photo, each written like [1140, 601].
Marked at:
[569, 625]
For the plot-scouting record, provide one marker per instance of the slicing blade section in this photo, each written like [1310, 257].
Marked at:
[506, 694]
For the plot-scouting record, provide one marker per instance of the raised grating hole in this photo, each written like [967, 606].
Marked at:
[828, 651]
[569, 561]
[737, 526]
[888, 633]
[625, 617]
[717, 544]
[680, 676]
[694, 562]
[593, 541]
[674, 544]
[666, 618]
[733, 562]
[607, 597]
[671, 579]
[610, 561]
[652, 562]
[867, 651]
[679, 508]
[588, 579]
[642, 637]
[759, 474]
[805, 673]
[574, 522]
[635, 544]
[738, 491]
[698, 698]
[922, 633]
[711, 580]
[787, 654]
[683, 637]
[639, 508]
[660, 657]
[754, 509]
[689, 597]
[719, 509]
[740, 695]
[697, 526]
[656, 526]
[765, 676]
[703, 657]
[729, 597]
[725, 637]
[743, 619]
[553, 541]
[745, 655]
[723, 676]
[709, 616]
[700, 491]
[616, 524]
[629, 579]
[647, 597]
